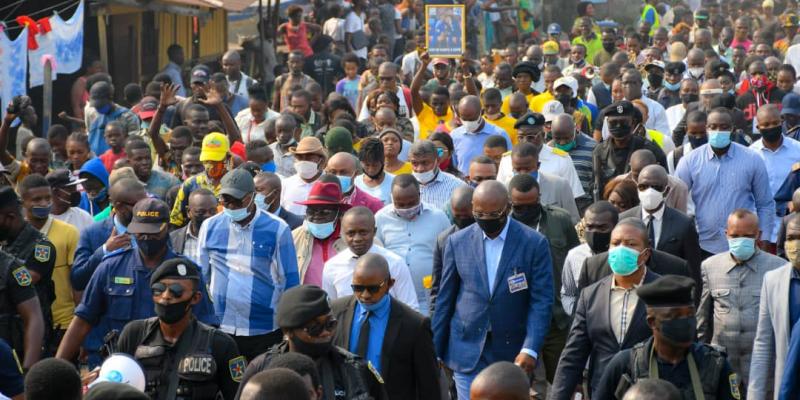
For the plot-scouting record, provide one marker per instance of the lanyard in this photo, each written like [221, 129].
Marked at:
[697, 388]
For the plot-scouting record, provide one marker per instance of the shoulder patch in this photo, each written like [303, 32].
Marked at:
[733, 380]
[378, 376]
[41, 252]
[22, 276]
[236, 367]
[559, 152]
[796, 166]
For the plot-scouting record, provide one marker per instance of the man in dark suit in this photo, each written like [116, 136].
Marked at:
[597, 266]
[669, 230]
[461, 209]
[495, 298]
[393, 338]
[268, 198]
[608, 316]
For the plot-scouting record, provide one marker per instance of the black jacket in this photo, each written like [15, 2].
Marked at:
[436, 275]
[604, 164]
[408, 360]
[596, 267]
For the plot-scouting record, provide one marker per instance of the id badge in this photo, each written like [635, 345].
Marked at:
[517, 282]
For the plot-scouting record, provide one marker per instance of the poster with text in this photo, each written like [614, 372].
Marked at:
[445, 30]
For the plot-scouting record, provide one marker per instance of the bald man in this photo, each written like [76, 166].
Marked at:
[500, 381]
[496, 276]
[238, 81]
[391, 336]
[345, 167]
[468, 139]
[358, 231]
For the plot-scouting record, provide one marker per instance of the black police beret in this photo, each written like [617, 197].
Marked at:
[527, 67]
[301, 304]
[176, 268]
[675, 68]
[718, 67]
[8, 197]
[667, 291]
[530, 118]
[622, 108]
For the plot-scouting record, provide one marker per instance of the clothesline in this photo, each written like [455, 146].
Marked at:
[6, 23]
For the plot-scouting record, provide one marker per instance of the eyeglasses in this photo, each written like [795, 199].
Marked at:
[491, 215]
[159, 288]
[372, 289]
[643, 186]
[315, 330]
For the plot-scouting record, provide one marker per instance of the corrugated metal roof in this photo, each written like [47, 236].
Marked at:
[230, 5]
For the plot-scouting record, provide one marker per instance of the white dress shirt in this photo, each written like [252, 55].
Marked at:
[337, 276]
[570, 275]
[658, 220]
[656, 116]
[295, 189]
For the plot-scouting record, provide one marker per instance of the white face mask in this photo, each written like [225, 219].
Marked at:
[696, 72]
[306, 169]
[650, 199]
[424, 177]
[471, 126]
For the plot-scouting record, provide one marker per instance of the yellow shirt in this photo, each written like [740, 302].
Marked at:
[538, 102]
[64, 237]
[428, 121]
[506, 109]
[405, 169]
[506, 123]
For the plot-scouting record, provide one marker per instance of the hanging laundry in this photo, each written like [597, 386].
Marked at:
[69, 40]
[45, 39]
[13, 67]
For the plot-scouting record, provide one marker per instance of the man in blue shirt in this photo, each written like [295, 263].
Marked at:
[392, 337]
[721, 177]
[119, 290]
[468, 138]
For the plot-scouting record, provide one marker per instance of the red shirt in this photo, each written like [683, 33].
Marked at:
[296, 38]
[361, 198]
[109, 158]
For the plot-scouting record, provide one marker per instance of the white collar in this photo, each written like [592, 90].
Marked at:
[658, 215]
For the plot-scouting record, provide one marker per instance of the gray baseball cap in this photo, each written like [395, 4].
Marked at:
[237, 183]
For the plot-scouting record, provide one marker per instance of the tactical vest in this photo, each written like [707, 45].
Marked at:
[713, 361]
[11, 326]
[196, 371]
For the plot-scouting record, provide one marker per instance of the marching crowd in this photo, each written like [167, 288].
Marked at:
[596, 211]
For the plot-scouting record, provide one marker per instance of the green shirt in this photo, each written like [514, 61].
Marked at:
[103, 214]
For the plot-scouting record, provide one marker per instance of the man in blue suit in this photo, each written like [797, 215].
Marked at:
[496, 292]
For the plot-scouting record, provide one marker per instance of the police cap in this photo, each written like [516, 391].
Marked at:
[667, 291]
[176, 268]
[530, 118]
[675, 68]
[301, 304]
[622, 108]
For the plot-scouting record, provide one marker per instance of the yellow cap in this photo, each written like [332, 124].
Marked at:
[215, 147]
[550, 47]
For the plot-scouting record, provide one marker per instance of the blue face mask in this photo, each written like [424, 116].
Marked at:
[742, 247]
[268, 167]
[121, 229]
[346, 182]
[623, 260]
[674, 87]
[719, 139]
[375, 306]
[239, 214]
[260, 202]
[104, 109]
[535, 175]
[321, 231]
[101, 195]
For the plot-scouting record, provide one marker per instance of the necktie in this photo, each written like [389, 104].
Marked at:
[363, 336]
[651, 233]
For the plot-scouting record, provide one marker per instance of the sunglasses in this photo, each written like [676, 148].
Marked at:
[372, 289]
[159, 288]
[317, 329]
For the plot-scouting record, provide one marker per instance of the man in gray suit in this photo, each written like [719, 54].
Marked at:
[777, 314]
[728, 311]
[554, 190]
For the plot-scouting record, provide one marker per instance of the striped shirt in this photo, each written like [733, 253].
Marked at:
[582, 159]
[437, 192]
[248, 268]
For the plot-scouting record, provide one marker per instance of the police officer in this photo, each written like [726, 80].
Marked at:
[19, 307]
[23, 241]
[672, 354]
[119, 290]
[182, 358]
[305, 318]
[611, 157]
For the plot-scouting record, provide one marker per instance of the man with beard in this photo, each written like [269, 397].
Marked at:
[308, 325]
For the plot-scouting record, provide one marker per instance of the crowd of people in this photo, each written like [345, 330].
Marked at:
[602, 211]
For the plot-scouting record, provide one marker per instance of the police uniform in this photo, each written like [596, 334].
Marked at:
[704, 373]
[11, 382]
[203, 361]
[343, 375]
[16, 287]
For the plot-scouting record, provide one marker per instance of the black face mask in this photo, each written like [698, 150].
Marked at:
[462, 223]
[698, 141]
[597, 241]
[679, 330]
[564, 99]
[689, 98]
[619, 131]
[491, 226]
[172, 313]
[772, 134]
[529, 216]
[655, 80]
[151, 247]
[313, 350]
[610, 47]
[197, 221]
